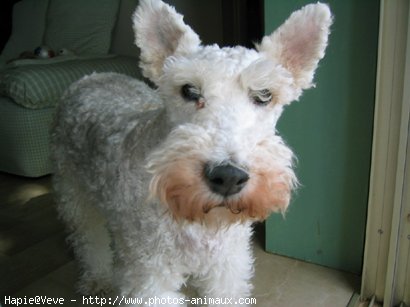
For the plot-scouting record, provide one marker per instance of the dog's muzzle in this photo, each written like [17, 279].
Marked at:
[225, 179]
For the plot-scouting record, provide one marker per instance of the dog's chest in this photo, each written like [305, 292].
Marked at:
[200, 242]
[202, 247]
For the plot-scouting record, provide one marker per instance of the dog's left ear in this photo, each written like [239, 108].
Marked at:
[300, 42]
[160, 32]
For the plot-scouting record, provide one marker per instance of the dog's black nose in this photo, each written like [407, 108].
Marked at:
[225, 179]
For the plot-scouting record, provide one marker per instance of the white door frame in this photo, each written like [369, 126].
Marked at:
[386, 266]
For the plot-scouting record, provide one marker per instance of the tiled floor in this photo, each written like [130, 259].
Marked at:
[34, 259]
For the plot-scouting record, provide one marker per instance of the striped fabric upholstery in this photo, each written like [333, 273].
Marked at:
[40, 85]
[24, 139]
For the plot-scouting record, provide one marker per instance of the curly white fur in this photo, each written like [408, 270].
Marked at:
[129, 160]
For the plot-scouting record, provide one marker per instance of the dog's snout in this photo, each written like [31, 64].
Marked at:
[225, 179]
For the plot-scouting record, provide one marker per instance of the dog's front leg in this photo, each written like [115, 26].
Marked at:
[228, 280]
[144, 274]
[147, 285]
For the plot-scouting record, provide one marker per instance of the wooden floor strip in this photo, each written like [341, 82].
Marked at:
[33, 263]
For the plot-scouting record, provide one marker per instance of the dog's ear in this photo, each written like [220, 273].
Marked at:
[160, 32]
[300, 42]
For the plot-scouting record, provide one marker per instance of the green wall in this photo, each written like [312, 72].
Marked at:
[330, 130]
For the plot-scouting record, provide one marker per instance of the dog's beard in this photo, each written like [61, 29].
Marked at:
[181, 187]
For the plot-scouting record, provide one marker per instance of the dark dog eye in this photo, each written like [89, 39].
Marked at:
[190, 93]
[261, 97]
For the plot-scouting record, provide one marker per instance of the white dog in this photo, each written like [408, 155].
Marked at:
[158, 186]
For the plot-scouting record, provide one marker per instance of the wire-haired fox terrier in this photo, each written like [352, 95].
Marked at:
[158, 186]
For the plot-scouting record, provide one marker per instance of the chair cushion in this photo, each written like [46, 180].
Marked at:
[123, 35]
[84, 27]
[41, 85]
[28, 28]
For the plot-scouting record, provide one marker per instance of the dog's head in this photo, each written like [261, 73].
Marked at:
[223, 157]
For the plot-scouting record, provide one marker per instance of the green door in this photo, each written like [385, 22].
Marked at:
[330, 131]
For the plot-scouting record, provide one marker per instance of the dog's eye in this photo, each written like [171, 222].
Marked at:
[261, 97]
[190, 93]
